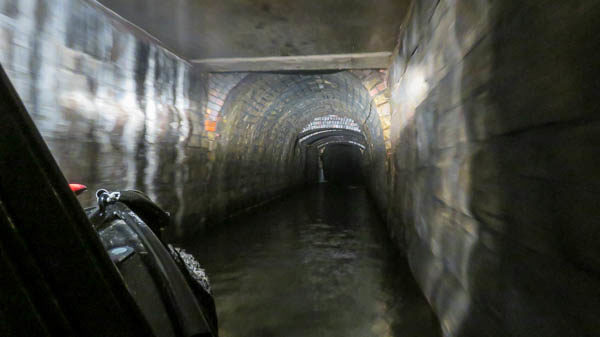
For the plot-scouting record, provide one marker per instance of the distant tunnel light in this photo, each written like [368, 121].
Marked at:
[343, 142]
[332, 122]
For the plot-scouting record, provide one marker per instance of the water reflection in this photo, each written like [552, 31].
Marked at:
[317, 263]
[116, 110]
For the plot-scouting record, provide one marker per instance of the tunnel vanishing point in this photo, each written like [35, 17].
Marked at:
[473, 124]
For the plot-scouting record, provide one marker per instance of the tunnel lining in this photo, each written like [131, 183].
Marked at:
[341, 141]
[332, 122]
[263, 116]
[310, 138]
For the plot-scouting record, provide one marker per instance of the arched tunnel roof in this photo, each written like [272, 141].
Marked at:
[264, 115]
[272, 106]
[338, 140]
[332, 122]
[318, 135]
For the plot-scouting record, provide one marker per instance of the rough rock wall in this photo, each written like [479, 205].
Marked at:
[117, 110]
[495, 191]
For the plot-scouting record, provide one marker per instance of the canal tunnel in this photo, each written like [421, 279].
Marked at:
[356, 168]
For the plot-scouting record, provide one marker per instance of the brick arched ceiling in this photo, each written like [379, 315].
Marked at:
[263, 116]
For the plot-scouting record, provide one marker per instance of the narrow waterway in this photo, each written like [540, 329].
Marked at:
[315, 263]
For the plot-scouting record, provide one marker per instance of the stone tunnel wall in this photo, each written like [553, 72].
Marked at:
[116, 110]
[494, 172]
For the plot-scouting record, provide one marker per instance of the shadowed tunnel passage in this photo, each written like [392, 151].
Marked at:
[342, 163]
[476, 138]
[272, 123]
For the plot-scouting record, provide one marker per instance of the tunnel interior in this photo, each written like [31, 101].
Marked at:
[469, 133]
[342, 164]
[334, 148]
[278, 130]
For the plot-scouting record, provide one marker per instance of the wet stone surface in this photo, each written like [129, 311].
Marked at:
[316, 263]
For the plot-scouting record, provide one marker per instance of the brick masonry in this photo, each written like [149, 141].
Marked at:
[375, 81]
[257, 155]
[219, 86]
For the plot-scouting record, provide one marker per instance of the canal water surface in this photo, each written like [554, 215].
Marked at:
[315, 263]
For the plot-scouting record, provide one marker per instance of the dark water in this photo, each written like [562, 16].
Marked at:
[316, 263]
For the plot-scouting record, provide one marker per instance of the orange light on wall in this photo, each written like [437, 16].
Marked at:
[210, 126]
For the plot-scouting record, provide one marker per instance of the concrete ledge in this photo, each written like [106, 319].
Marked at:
[379, 60]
